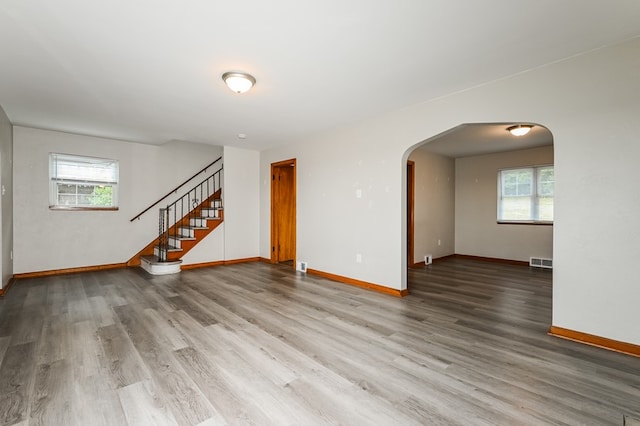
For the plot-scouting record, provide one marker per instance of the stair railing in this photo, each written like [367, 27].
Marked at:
[179, 213]
[175, 190]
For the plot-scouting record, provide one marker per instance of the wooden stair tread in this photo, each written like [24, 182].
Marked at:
[169, 248]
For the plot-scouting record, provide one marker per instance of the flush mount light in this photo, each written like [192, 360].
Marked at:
[520, 129]
[239, 82]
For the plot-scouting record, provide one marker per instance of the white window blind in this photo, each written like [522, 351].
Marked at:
[526, 195]
[82, 182]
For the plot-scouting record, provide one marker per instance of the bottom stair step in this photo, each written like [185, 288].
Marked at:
[154, 266]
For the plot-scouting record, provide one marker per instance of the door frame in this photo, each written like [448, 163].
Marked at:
[274, 237]
[411, 184]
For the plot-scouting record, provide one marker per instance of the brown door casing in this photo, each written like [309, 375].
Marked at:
[283, 211]
[411, 176]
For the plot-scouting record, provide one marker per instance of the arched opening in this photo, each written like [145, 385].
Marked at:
[456, 197]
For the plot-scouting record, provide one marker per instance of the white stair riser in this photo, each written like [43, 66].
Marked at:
[210, 213]
[198, 223]
[187, 232]
[160, 269]
[156, 251]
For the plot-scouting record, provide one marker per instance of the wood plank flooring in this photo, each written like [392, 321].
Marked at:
[259, 344]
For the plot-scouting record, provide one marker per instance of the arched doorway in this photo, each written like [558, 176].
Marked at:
[452, 199]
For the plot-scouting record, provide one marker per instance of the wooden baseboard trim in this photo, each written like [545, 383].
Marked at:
[265, 260]
[202, 265]
[5, 289]
[590, 339]
[123, 265]
[69, 270]
[358, 283]
[245, 260]
[220, 263]
[490, 259]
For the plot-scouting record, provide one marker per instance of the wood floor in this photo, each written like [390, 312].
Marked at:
[261, 344]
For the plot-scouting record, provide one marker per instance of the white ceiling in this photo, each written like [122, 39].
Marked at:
[149, 70]
[487, 138]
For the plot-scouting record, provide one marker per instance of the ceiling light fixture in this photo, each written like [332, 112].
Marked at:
[520, 129]
[239, 82]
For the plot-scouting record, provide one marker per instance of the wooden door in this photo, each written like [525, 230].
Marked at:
[283, 211]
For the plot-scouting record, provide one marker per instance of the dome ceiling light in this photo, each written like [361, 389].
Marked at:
[239, 82]
[520, 129]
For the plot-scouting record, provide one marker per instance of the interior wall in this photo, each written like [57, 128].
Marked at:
[589, 103]
[434, 205]
[241, 203]
[56, 239]
[210, 249]
[476, 198]
[345, 202]
[6, 197]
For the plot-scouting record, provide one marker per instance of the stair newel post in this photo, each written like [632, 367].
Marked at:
[189, 207]
[166, 235]
[160, 226]
[175, 219]
[162, 237]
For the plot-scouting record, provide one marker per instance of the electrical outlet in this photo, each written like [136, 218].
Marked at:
[439, 242]
[358, 258]
[302, 267]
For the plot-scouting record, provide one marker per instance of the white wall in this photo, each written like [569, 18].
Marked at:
[477, 230]
[241, 203]
[6, 197]
[53, 239]
[590, 104]
[434, 209]
[333, 225]
[210, 249]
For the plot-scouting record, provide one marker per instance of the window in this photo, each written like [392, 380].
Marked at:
[526, 195]
[83, 182]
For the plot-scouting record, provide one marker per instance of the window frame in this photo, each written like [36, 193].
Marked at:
[56, 179]
[533, 197]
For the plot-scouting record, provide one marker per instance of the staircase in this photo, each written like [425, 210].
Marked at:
[182, 225]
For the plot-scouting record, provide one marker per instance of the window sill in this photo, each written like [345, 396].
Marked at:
[83, 209]
[524, 222]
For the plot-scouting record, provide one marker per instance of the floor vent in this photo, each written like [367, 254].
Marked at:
[540, 262]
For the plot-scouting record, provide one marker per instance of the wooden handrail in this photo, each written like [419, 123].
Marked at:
[174, 190]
